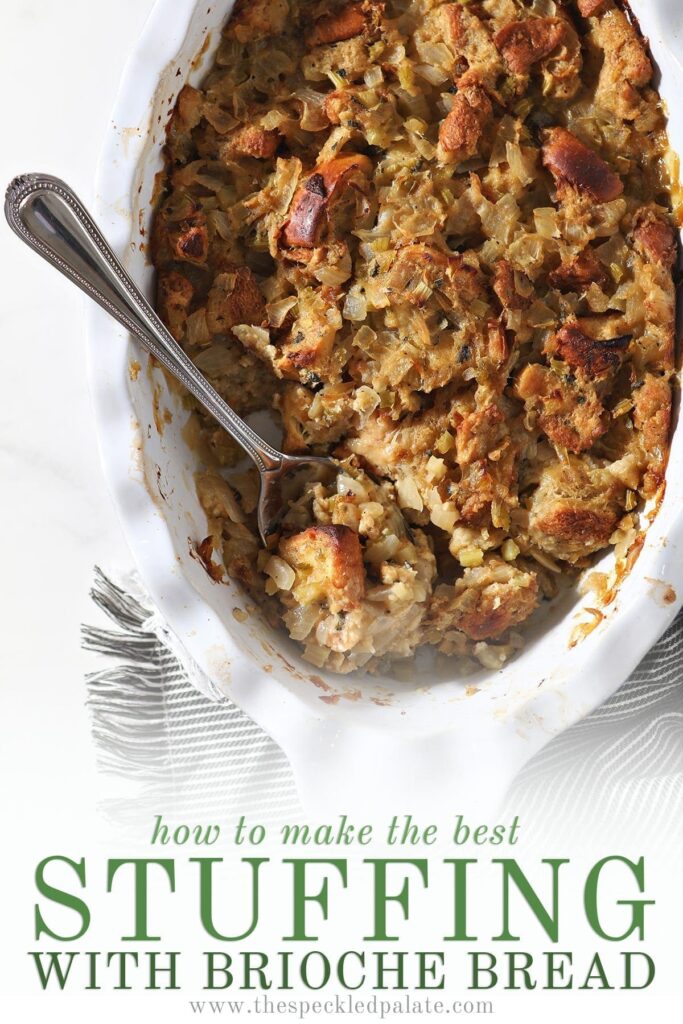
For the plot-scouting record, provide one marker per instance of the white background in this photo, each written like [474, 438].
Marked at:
[59, 71]
[60, 66]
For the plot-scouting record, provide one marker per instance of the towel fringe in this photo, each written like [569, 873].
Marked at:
[127, 703]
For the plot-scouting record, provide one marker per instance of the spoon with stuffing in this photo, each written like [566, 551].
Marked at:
[45, 213]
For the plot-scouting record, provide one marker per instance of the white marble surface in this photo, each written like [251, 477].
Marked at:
[60, 68]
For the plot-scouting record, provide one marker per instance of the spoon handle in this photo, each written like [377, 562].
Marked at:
[47, 215]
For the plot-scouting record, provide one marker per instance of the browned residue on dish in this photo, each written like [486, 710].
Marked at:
[203, 553]
[661, 592]
[584, 629]
[294, 672]
[161, 416]
[159, 487]
[606, 586]
[333, 697]
[320, 683]
[156, 409]
[134, 370]
[198, 59]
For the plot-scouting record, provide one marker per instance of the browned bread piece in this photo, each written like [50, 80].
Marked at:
[570, 160]
[328, 563]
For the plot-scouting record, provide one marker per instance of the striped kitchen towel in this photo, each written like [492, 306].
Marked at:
[179, 749]
[153, 729]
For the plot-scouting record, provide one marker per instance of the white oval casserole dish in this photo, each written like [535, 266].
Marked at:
[416, 736]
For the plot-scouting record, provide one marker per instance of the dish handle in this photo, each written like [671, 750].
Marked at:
[355, 770]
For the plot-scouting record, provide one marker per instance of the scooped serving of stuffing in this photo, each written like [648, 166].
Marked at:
[437, 238]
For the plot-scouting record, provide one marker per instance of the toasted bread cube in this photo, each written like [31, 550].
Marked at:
[461, 130]
[328, 563]
[311, 202]
[570, 414]
[579, 273]
[339, 25]
[570, 160]
[486, 602]
[467, 37]
[652, 418]
[626, 68]
[235, 298]
[590, 356]
[257, 19]
[655, 238]
[349, 56]
[251, 140]
[505, 287]
[174, 296]
[307, 352]
[525, 43]
[574, 511]
[549, 42]
[189, 242]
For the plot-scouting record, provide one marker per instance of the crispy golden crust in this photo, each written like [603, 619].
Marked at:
[552, 44]
[461, 130]
[328, 563]
[626, 68]
[652, 417]
[579, 273]
[570, 415]
[587, 355]
[235, 298]
[573, 512]
[345, 23]
[183, 241]
[656, 239]
[250, 141]
[313, 201]
[569, 160]
[525, 43]
[571, 530]
[252, 20]
[486, 603]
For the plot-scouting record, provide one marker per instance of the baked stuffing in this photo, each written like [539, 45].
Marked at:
[437, 238]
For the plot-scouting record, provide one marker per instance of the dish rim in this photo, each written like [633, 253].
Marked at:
[306, 730]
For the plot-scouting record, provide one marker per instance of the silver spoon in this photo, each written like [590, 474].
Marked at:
[45, 213]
